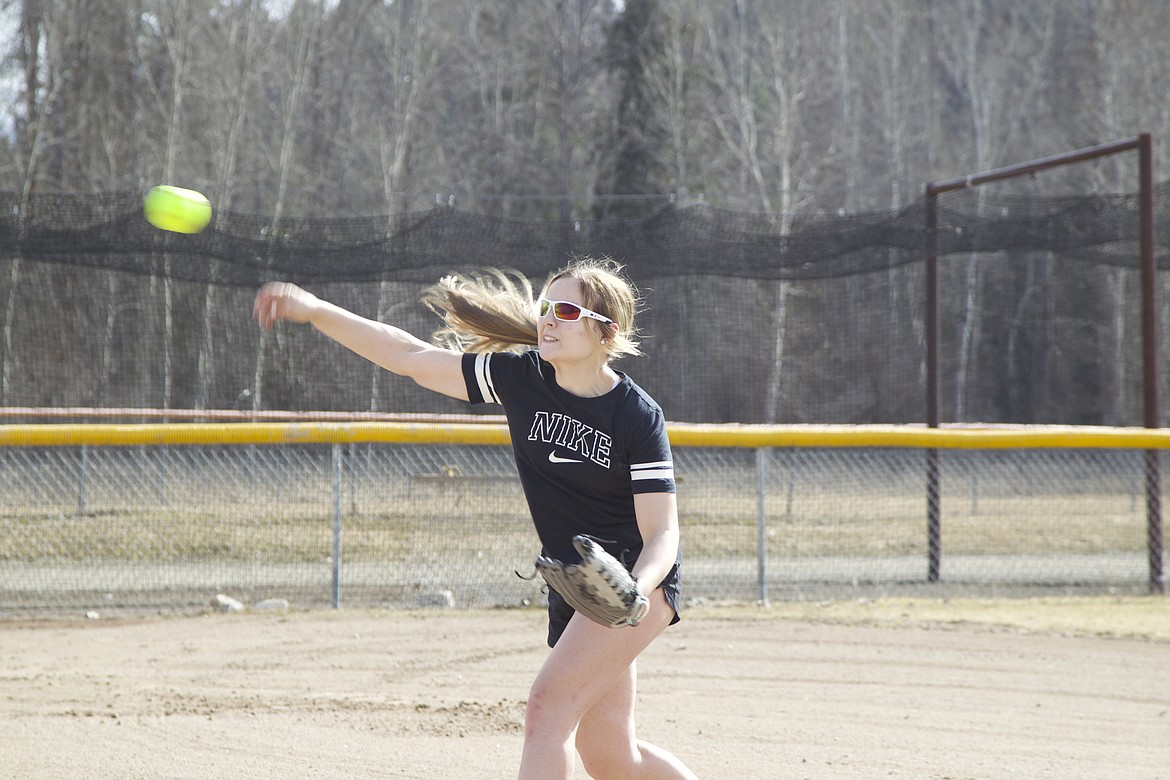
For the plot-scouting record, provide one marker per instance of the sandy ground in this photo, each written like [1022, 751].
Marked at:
[441, 694]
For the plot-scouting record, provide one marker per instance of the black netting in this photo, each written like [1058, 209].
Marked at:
[750, 317]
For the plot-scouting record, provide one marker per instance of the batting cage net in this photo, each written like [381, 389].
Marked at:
[748, 317]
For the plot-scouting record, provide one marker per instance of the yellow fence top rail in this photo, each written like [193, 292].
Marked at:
[681, 435]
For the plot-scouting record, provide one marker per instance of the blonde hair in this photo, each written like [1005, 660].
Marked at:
[494, 310]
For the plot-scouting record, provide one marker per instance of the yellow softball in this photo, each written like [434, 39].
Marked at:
[176, 209]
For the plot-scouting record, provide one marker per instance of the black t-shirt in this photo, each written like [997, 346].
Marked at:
[581, 460]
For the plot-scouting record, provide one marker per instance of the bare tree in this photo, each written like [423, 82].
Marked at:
[29, 144]
[672, 85]
[762, 71]
[244, 44]
[535, 97]
[995, 66]
[319, 108]
[305, 36]
[1122, 92]
[409, 53]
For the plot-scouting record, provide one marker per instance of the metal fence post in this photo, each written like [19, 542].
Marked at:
[933, 517]
[761, 523]
[350, 473]
[82, 479]
[337, 526]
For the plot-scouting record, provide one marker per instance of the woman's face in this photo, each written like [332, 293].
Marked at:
[567, 342]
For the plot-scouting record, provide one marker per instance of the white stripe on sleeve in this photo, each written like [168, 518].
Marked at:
[662, 469]
[483, 376]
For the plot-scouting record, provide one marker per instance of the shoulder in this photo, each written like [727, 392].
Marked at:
[637, 415]
[637, 403]
[488, 373]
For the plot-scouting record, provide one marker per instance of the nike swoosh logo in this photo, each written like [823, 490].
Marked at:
[554, 458]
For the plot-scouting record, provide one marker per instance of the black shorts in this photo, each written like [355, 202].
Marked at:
[559, 611]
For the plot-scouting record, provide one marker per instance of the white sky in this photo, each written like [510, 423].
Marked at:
[9, 78]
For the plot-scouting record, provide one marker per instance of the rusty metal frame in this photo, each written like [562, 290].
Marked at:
[1143, 144]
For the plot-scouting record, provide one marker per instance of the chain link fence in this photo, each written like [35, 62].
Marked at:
[168, 528]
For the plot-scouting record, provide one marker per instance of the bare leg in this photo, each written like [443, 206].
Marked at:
[592, 665]
[609, 748]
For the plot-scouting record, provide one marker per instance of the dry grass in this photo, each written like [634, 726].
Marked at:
[1129, 617]
[438, 520]
[836, 524]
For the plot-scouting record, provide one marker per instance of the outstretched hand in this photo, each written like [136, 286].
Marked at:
[278, 301]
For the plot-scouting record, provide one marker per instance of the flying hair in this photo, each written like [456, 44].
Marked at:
[494, 310]
[488, 311]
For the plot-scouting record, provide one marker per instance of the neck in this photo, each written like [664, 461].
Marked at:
[589, 382]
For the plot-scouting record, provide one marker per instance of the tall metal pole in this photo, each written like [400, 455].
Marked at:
[933, 336]
[1149, 276]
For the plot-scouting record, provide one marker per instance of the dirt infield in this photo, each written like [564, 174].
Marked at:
[881, 690]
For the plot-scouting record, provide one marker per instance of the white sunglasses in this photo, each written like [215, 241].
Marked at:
[571, 312]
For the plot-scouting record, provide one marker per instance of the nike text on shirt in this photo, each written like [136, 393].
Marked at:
[564, 431]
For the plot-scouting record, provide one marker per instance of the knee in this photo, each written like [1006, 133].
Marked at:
[545, 713]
